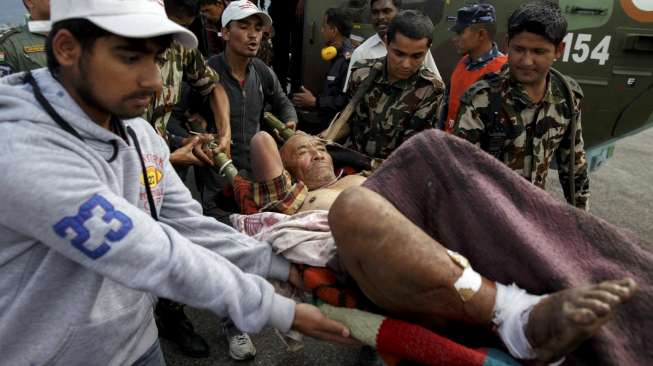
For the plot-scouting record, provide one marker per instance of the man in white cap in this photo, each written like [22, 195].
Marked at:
[250, 85]
[94, 222]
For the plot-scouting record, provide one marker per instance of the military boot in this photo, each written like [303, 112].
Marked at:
[175, 326]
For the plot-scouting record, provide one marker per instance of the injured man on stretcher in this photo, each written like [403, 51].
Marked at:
[441, 233]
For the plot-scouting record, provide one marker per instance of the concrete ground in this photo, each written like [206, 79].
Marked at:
[622, 189]
[622, 194]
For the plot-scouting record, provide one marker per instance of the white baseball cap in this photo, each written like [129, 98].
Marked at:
[241, 9]
[125, 18]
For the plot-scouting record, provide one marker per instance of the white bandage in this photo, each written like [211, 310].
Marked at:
[468, 284]
[511, 311]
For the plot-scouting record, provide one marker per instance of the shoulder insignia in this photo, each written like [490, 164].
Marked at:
[2, 56]
[34, 48]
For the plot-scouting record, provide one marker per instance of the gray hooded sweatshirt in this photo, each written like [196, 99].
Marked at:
[81, 259]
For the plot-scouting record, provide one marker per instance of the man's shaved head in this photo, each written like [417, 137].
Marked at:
[288, 147]
[305, 157]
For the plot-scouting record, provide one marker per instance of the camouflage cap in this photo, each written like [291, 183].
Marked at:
[473, 14]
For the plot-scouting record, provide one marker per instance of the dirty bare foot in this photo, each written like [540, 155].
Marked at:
[561, 321]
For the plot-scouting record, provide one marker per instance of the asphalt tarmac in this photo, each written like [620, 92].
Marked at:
[622, 194]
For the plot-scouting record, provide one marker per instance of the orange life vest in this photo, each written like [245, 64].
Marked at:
[461, 79]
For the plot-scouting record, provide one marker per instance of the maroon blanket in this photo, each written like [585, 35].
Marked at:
[512, 231]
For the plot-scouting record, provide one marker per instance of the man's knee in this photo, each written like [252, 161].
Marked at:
[262, 141]
[264, 155]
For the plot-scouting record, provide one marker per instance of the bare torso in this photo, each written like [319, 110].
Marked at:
[322, 199]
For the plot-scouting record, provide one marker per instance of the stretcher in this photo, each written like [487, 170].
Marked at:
[395, 339]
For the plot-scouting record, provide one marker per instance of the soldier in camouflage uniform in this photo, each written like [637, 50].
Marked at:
[532, 115]
[20, 49]
[404, 96]
[179, 64]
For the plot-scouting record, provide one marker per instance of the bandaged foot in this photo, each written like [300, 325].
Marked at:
[512, 308]
[546, 328]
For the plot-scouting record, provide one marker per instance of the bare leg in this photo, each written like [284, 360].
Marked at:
[266, 161]
[398, 266]
[406, 272]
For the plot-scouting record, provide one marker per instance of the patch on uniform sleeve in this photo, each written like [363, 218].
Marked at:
[2, 56]
[5, 70]
[34, 48]
[96, 225]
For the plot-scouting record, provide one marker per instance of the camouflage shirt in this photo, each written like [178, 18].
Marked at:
[21, 50]
[390, 113]
[179, 63]
[536, 132]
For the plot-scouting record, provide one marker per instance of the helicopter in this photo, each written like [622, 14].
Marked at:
[608, 50]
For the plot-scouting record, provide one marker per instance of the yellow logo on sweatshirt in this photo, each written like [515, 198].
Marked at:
[154, 177]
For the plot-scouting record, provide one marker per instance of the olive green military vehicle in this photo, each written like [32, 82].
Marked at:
[609, 51]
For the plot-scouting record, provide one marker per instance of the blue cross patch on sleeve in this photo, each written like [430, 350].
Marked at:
[107, 225]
